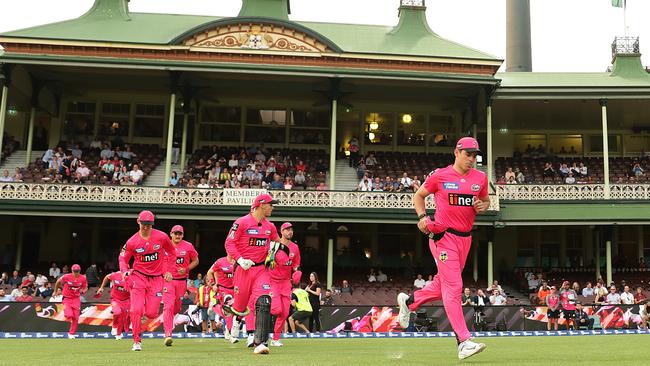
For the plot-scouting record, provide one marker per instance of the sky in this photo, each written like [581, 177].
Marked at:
[567, 35]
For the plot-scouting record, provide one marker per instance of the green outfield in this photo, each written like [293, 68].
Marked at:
[586, 350]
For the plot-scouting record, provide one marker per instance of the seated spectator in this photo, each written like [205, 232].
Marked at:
[429, 280]
[76, 151]
[627, 298]
[637, 170]
[299, 180]
[345, 288]
[44, 290]
[613, 297]
[106, 152]
[24, 295]
[570, 179]
[6, 177]
[521, 179]
[300, 167]
[92, 275]
[564, 170]
[533, 283]
[288, 183]
[480, 300]
[58, 296]
[14, 280]
[40, 280]
[18, 176]
[510, 175]
[173, 180]
[588, 291]
[371, 161]
[583, 171]
[4, 278]
[574, 169]
[466, 298]
[377, 185]
[639, 297]
[327, 299]
[495, 286]
[371, 276]
[416, 183]
[582, 319]
[4, 297]
[511, 180]
[406, 181]
[277, 182]
[549, 172]
[576, 287]
[381, 276]
[322, 187]
[600, 293]
[361, 170]
[497, 299]
[203, 184]
[136, 175]
[83, 171]
[419, 282]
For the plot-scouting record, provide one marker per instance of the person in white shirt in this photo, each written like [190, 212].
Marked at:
[627, 298]
[497, 299]
[83, 170]
[406, 181]
[6, 177]
[381, 277]
[429, 280]
[136, 174]
[583, 170]
[106, 152]
[40, 280]
[203, 184]
[495, 285]
[533, 283]
[58, 295]
[4, 297]
[613, 297]
[588, 291]
[570, 179]
[419, 282]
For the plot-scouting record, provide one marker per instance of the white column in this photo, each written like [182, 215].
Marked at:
[330, 262]
[488, 159]
[30, 136]
[603, 107]
[333, 148]
[170, 138]
[20, 238]
[3, 111]
[475, 260]
[490, 259]
[184, 143]
[597, 260]
[608, 260]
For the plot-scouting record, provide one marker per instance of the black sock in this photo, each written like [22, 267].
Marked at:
[410, 300]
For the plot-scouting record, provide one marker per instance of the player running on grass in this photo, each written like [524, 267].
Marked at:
[221, 273]
[151, 269]
[185, 259]
[248, 242]
[120, 302]
[460, 192]
[74, 284]
[283, 269]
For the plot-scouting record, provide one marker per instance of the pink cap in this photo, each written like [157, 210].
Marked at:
[286, 225]
[146, 217]
[262, 199]
[468, 143]
[76, 267]
[177, 228]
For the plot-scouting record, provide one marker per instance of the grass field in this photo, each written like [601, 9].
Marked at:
[583, 350]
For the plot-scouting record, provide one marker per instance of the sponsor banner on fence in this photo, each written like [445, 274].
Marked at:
[240, 197]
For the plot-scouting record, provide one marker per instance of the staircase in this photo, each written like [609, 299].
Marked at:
[17, 160]
[157, 176]
[346, 177]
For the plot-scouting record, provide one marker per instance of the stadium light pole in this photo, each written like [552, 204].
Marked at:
[606, 189]
[170, 138]
[333, 148]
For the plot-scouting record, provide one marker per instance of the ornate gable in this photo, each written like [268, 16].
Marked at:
[258, 36]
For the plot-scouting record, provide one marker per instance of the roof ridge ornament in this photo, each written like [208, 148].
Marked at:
[109, 9]
[413, 22]
[626, 59]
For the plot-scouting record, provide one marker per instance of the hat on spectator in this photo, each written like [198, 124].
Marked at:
[177, 228]
[262, 199]
[286, 225]
[76, 267]
[146, 217]
[468, 144]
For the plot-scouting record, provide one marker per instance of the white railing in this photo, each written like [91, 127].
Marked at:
[572, 192]
[207, 197]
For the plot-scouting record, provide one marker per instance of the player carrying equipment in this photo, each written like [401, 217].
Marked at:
[460, 193]
[120, 302]
[248, 242]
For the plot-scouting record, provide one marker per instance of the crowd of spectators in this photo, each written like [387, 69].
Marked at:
[254, 167]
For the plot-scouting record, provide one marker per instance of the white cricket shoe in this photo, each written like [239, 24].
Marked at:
[250, 340]
[168, 341]
[233, 340]
[261, 349]
[275, 343]
[234, 330]
[136, 347]
[119, 336]
[113, 331]
[404, 313]
[469, 348]
[72, 336]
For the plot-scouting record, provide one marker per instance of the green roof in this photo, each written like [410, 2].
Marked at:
[409, 38]
[567, 80]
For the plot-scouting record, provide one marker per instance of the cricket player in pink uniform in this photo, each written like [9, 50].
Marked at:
[249, 242]
[222, 273]
[74, 284]
[150, 249]
[185, 259]
[120, 302]
[460, 192]
[284, 270]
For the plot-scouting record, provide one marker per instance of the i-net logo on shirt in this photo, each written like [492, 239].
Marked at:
[257, 242]
[457, 199]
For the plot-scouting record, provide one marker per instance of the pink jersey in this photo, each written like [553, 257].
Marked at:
[118, 290]
[250, 240]
[225, 272]
[73, 286]
[454, 195]
[185, 253]
[568, 298]
[150, 255]
[287, 260]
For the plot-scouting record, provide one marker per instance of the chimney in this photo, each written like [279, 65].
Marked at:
[518, 47]
[279, 9]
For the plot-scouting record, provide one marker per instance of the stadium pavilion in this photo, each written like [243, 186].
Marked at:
[261, 78]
